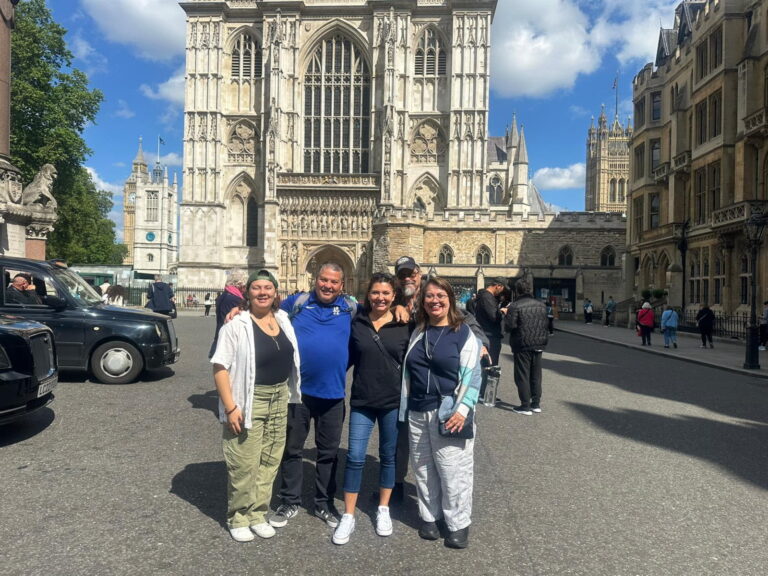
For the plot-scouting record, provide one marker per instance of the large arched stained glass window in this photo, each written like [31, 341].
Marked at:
[337, 104]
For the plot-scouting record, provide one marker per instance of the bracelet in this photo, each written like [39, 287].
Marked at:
[228, 412]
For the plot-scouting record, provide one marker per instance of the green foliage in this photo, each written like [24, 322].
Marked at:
[86, 235]
[50, 107]
[658, 293]
[645, 294]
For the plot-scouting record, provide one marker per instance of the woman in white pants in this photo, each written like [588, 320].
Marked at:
[441, 381]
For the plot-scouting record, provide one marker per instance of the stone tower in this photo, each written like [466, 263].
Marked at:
[150, 208]
[607, 179]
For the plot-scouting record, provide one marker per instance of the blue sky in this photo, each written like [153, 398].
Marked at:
[553, 65]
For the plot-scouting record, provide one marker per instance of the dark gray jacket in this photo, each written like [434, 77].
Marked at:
[526, 322]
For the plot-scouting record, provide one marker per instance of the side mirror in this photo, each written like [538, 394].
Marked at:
[55, 302]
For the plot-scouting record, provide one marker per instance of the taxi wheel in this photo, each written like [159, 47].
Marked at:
[116, 363]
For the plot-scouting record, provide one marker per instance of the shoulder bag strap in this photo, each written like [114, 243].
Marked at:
[394, 363]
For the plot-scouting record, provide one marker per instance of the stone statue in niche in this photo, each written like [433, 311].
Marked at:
[283, 254]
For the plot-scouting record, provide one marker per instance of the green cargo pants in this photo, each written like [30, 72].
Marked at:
[254, 455]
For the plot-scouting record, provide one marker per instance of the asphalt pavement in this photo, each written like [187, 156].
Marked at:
[638, 465]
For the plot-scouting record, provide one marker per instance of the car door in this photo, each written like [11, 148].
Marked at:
[65, 319]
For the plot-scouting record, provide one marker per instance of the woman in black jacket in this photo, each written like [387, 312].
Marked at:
[377, 345]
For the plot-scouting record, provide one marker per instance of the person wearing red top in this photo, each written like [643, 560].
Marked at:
[645, 320]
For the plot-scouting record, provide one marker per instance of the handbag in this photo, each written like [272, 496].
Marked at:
[468, 430]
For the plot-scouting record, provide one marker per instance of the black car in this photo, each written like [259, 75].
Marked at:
[114, 343]
[28, 372]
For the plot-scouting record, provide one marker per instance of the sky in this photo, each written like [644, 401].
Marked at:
[553, 65]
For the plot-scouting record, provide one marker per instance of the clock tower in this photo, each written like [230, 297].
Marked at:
[150, 207]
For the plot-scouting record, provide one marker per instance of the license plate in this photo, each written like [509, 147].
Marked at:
[46, 386]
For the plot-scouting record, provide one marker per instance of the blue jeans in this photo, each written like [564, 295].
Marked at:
[361, 421]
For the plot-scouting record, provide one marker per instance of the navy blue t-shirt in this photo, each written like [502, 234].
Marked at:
[322, 332]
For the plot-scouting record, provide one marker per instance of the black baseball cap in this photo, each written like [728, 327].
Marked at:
[500, 281]
[405, 263]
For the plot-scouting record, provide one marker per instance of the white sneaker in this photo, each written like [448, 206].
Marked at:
[383, 522]
[242, 534]
[263, 530]
[344, 529]
[762, 348]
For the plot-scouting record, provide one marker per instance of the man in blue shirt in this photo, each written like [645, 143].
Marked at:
[322, 322]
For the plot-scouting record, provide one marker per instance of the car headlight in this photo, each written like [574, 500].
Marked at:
[4, 361]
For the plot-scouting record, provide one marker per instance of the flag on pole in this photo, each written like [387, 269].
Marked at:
[615, 83]
[162, 142]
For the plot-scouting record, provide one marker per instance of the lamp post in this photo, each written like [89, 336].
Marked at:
[682, 245]
[754, 229]
[549, 285]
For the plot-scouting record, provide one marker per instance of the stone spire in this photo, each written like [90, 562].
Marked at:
[139, 162]
[521, 157]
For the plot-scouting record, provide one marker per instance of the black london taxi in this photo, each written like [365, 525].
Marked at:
[115, 344]
[28, 371]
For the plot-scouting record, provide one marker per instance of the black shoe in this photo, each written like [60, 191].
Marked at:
[524, 410]
[458, 539]
[329, 517]
[283, 513]
[429, 531]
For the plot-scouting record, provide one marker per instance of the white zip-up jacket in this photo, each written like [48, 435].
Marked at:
[235, 351]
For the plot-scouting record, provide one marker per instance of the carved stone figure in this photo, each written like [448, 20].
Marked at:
[38, 195]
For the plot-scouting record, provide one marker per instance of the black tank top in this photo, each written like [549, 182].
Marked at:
[274, 357]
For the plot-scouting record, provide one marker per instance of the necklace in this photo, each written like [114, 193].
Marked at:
[426, 342]
[270, 326]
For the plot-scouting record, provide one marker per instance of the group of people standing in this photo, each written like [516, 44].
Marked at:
[416, 374]
[669, 322]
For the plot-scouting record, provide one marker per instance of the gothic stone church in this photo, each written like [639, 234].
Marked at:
[356, 131]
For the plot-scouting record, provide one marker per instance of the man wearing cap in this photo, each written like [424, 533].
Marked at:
[321, 320]
[489, 317]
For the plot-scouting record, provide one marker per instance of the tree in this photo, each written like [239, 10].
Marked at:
[50, 107]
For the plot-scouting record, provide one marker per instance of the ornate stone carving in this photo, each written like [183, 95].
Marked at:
[356, 180]
[428, 145]
[38, 231]
[10, 186]
[242, 142]
[37, 195]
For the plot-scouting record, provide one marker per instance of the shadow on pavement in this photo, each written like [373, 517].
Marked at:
[204, 485]
[26, 427]
[729, 445]
[208, 401]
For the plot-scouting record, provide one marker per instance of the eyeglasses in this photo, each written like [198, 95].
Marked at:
[403, 274]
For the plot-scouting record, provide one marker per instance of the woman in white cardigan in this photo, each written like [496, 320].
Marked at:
[256, 370]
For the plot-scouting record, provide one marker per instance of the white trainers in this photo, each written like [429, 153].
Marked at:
[242, 534]
[383, 522]
[344, 529]
[263, 530]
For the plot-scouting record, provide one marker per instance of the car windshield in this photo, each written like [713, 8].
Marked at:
[78, 288]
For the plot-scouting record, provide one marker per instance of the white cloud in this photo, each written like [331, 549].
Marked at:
[101, 184]
[123, 110]
[170, 159]
[172, 90]
[154, 28]
[560, 178]
[82, 50]
[544, 46]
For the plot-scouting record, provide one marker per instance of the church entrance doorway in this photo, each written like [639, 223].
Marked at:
[330, 253]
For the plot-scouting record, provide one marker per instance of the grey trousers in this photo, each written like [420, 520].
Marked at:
[443, 468]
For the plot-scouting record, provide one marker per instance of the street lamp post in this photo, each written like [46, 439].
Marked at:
[755, 227]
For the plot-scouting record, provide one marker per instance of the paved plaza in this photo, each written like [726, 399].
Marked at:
[640, 464]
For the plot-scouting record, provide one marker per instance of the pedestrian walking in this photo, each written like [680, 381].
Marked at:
[207, 302]
[230, 300]
[489, 317]
[705, 320]
[550, 317]
[441, 385]
[645, 321]
[610, 307]
[764, 327]
[669, 322]
[526, 322]
[377, 346]
[257, 373]
[588, 311]
[116, 295]
[160, 297]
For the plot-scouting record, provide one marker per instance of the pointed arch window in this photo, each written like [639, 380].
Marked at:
[608, 256]
[622, 190]
[483, 256]
[246, 58]
[612, 197]
[152, 206]
[431, 59]
[495, 191]
[252, 223]
[150, 257]
[337, 104]
[446, 255]
[565, 256]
